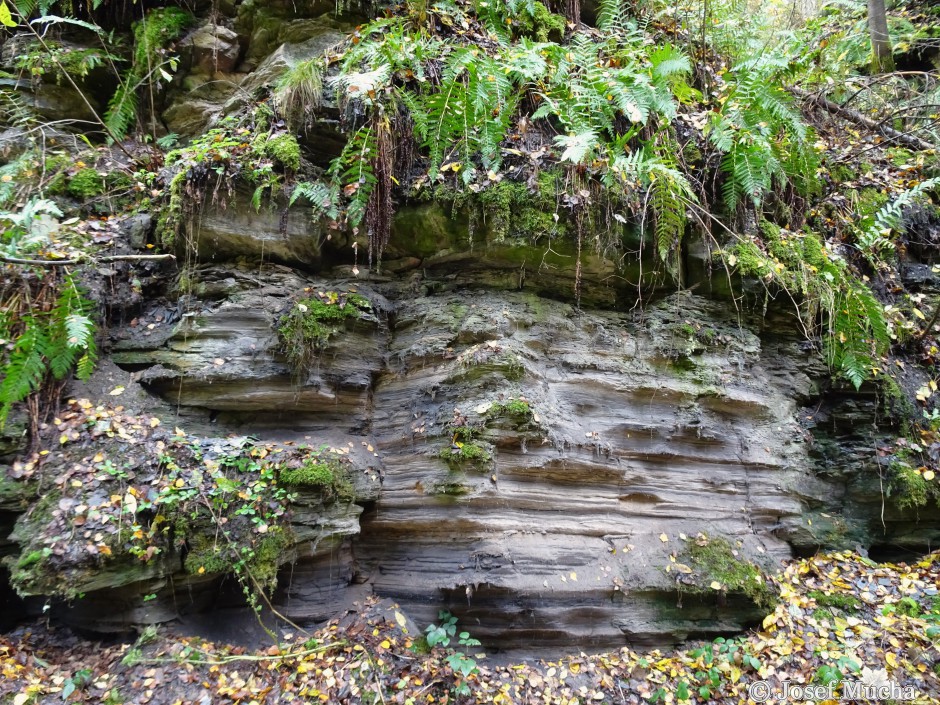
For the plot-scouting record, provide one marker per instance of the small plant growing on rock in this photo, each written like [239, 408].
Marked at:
[459, 451]
[323, 472]
[312, 321]
[719, 568]
[516, 409]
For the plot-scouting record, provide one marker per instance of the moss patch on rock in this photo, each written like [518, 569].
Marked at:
[320, 472]
[715, 562]
[311, 321]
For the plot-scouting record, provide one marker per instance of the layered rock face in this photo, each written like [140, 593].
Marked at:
[543, 467]
[537, 444]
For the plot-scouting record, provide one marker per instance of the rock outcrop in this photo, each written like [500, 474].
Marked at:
[543, 467]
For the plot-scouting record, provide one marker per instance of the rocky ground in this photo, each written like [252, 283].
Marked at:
[841, 616]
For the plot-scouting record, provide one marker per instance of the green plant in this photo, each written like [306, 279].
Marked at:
[762, 136]
[715, 562]
[323, 471]
[907, 485]
[79, 681]
[49, 335]
[249, 149]
[875, 231]
[299, 91]
[846, 603]
[906, 607]
[310, 322]
[86, 183]
[514, 408]
[148, 67]
[462, 665]
[854, 329]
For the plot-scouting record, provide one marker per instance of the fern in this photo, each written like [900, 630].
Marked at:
[322, 198]
[469, 114]
[25, 369]
[353, 171]
[46, 345]
[762, 135]
[858, 332]
[122, 108]
[669, 193]
[874, 238]
[158, 27]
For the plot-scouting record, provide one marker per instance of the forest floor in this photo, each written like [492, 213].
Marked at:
[841, 618]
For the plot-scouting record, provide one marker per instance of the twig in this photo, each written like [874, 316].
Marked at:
[931, 323]
[856, 117]
[232, 659]
[86, 258]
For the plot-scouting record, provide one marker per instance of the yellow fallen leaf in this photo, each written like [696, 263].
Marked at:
[574, 576]
[400, 618]
[715, 585]
[929, 475]
[154, 422]
[386, 644]
[664, 538]
[919, 314]
[130, 503]
[116, 391]
[683, 568]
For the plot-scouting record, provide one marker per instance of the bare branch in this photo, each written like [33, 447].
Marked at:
[93, 260]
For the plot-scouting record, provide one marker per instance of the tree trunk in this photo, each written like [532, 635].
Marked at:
[882, 59]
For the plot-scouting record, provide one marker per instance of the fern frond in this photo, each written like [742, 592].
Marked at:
[889, 217]
[25, 368]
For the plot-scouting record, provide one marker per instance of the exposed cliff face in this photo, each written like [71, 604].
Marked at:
[539, 469]
[537, 445]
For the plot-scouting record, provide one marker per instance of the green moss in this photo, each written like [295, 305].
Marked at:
[470, 452]
[540, 24]
[15, 493]
[869, 201]
[325, 474]
[30, 559]
[160, 27]
[214, 555]
[509, 208]
[908, 488]
[265, 559]
[449, 489]
[691, 153]
[841, 173]
[517, 409]
[310, 474]
[846, 603]
[309, 324]
[207, 554]
[899, 156]
[86, 183]
[283, 149]
[749, 260]
[714, 561]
